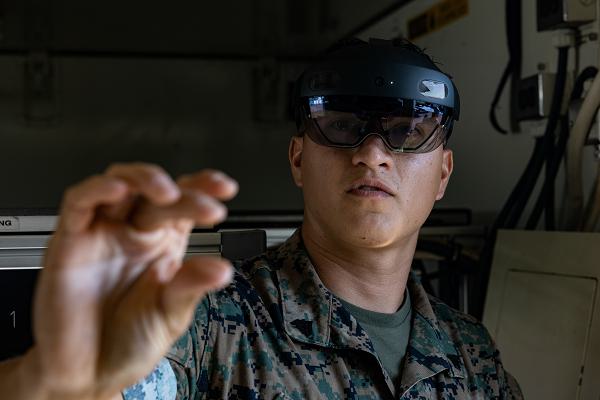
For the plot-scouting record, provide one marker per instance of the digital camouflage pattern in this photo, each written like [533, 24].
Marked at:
[277, 333]
[159, 385]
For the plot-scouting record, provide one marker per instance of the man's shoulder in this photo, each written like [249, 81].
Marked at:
[475, 350]
[272, 259]
[253, 285]
[464, 330]
[255, 280]
[475, 346]
[227, 309]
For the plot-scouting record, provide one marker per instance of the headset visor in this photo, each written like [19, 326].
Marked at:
[404, 125]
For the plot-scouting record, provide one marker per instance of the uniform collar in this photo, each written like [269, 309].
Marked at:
[430, 348]
[312, 314]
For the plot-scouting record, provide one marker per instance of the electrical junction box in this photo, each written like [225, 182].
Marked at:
[559, 14]
[535, 96]
[543, 310]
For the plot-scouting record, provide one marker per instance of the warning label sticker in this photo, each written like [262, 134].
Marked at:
[9, 224]
[437, 17]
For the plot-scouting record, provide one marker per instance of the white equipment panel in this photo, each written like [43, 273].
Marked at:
[543, 310]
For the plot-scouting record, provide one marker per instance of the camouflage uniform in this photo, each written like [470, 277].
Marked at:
[277, 333]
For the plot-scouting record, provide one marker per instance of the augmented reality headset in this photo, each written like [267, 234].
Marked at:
[377, 88]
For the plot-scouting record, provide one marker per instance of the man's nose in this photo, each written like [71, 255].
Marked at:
[373, 153]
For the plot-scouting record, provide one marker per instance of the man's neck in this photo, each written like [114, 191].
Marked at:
[373, 279]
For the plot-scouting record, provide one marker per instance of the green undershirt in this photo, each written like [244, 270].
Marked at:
[389, 333]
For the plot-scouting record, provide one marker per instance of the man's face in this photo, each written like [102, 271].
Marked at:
[367, 196]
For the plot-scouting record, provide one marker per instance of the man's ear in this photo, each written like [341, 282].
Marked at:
[447, 167]
[295, 157]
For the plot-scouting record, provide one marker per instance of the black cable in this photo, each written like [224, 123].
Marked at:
[547, 140]
[506, 210]
[511, 212]
[560, 148]
[501, 222]
[549, 193]
[515, 44]
[499, 89]
[585, 75]
[513, 67]
[550, 137]
[541, 202]
[531, 177]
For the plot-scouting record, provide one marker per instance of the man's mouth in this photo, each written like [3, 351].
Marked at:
[370, 188]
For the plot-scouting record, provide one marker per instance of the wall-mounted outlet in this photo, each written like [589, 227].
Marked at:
[535, 96]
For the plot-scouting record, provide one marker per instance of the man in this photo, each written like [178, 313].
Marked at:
[327, 315]
[332, 313]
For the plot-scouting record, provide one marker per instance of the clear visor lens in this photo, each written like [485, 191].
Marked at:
[404, 125]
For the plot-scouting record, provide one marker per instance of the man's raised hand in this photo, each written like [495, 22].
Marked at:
[115, 292]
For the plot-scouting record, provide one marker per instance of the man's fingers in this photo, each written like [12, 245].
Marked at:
[115, 191]
[119, 211]
[148, 180]
[80, 201]
[196, 277]
[211, 182]
[195, 206]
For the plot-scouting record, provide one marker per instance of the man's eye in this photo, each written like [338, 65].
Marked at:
[341, 125]
[401, 127]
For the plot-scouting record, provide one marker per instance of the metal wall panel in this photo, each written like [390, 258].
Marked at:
[543, 309]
